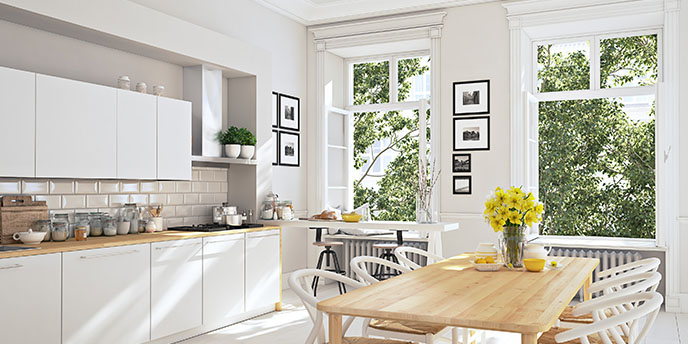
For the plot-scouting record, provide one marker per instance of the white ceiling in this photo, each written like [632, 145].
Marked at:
[312, 12]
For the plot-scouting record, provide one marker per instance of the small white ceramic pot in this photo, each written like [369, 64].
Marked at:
[485, 250]
[247, 152]
[30, 237]
[124, 83]
[232, 151]
[141, 87]
[536, 251]
[158, 90]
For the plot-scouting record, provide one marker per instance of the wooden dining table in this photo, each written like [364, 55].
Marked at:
[453, 293]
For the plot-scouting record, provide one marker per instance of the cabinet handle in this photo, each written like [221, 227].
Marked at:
[176, 246]
[15, 266]
[109, 255]
[221, 241]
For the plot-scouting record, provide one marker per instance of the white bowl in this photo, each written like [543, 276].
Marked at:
[487, 267]
[30, 237]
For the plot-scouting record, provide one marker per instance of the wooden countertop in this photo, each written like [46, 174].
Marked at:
[120, 240]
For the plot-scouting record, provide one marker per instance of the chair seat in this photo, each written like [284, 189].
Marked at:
[328, 243]
[361, 340]
[406, 326]
[548, 337]
[386, 246]
[567, 316]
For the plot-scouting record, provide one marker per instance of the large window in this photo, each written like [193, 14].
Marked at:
[597, 135]
[386, 145]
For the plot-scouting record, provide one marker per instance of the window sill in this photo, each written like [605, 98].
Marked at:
[600, 243]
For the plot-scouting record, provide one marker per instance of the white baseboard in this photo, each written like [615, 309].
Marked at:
[676, 303]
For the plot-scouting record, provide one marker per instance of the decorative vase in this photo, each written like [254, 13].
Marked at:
[232, 151]
[426, 216]
[512, 241]
[247, 151]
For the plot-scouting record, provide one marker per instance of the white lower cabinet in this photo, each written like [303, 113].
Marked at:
[262, 269]
[223, 278]
[176, 286]
[30, 308]
[106, 295]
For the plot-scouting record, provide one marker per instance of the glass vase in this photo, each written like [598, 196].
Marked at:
[512, 241]
[426, 216]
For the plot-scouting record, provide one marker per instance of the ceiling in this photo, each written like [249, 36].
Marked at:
[312, 12]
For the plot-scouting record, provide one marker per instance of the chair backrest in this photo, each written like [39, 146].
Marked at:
[402, 253]
[649, 304]
[300, 284]
[639, 266]
[358, 264]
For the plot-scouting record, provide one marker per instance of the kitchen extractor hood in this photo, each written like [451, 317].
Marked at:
[203, 88]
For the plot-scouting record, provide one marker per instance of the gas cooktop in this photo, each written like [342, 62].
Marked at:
[213, 227]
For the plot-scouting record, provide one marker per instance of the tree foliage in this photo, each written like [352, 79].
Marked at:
[394, 198]
[597, 166]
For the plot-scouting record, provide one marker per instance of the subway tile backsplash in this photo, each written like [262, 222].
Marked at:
[183, 202]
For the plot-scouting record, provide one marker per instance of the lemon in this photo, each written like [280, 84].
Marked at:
[554, 264]
[490, 260]
[480, 261]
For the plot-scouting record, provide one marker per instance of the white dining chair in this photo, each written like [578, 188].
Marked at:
[407, 330]
[300, 284]
[402, 253]
[606, 329]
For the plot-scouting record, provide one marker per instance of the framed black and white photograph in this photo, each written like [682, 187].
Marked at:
[290, 112]
[472, 97]
[289, 149]
[462, 185]
[275, 109]
[472, 133]
[275, 155]
[461, 163]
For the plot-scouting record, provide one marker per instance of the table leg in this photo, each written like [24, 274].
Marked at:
[529, 338]
[435, 243]
[586, 285]
[335, 328]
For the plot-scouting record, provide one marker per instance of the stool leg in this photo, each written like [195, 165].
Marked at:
[379, 269]
[329, 251]
[338, 270]
[314, 284]
[395, 260]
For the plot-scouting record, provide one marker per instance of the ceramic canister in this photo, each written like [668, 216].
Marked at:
[485, 250]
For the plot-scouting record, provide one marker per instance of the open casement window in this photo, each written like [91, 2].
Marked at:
[590, 137]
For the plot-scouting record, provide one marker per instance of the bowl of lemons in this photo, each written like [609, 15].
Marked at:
[486, 264]
[351, 217]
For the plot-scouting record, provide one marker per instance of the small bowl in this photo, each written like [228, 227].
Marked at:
[534, 264]
[30, 237]
[487, 266]
[351, 217]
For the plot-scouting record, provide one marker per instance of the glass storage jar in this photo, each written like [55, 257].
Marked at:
[82, 219]
[44, 226]
[130, 215]
[62, 219]
[286, 210]
[268, 210]
[95, 222]
[109, 226]
[60, 231]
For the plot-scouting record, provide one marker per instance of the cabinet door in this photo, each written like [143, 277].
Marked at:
[106, 295]
[136, 135]
[176, 295]
[223, 278]
[75, 129]
[30, 311]
[262, 269]
[174, 139]
[17, 123]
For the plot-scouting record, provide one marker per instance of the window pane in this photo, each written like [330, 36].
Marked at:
[371, 83]
[628, 61]
[413, 79]
[597, 167]
[563, 66]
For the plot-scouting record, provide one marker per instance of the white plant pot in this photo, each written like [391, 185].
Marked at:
[232, 151]
[247, 152]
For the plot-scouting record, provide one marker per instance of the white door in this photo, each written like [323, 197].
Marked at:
[176, 281]
[136, 135]
[106, 295]
[223, 278]
[30, 309]
[174, 139]
[75, 129]
[17, 123]
[262, 269]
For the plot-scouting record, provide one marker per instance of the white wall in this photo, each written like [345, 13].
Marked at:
[683, 172]
[475, 46]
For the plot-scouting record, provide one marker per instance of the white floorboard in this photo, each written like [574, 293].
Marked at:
[292, 325]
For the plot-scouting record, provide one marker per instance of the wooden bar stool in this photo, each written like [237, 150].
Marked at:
[327, 254]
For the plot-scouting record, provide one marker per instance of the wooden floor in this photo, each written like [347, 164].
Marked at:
[291, 326]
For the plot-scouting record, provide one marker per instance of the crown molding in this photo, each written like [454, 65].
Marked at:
[523, 13]
[379, 25]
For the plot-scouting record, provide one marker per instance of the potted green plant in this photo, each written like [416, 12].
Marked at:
[248, 143]
[230, 139]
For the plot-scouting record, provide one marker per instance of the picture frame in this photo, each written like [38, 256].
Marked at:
[275, 145]
[462, 185]
[275, 109]
[461, 163]
[289, 112]
[289, 149]
[471, 97]
[471, 133]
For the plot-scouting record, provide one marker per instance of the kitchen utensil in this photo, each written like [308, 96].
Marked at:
[30, 237]
[534, 264]
[155, 210]
[158, 223]
[218, 212]
[18, 214]
[234, 220]
[353, 217]
[537, 251]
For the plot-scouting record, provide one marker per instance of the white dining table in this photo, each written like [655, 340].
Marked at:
[432, 230]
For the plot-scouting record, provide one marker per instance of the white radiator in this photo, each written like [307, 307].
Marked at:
[364, 247]
[608, 259]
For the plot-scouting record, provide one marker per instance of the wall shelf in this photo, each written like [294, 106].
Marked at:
[223, 160]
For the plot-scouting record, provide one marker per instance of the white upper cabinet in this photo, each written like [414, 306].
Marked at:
[30, 310]
[136, 135]
[174, 139]
[262, 269]
[17, 123]
[76, 129]
[223, 278]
